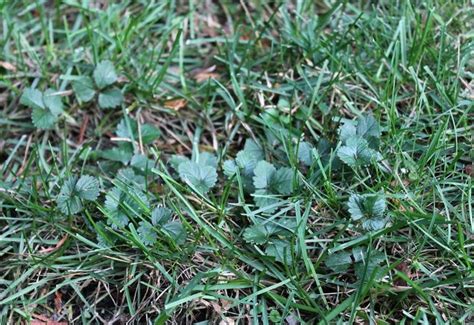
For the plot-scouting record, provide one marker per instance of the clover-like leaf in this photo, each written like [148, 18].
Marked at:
[74, 190]
[121, 204]
[43, 118]
[52, 101]
[282, 181]
[32, 98]
[369, 209]
[104, 74]
[357, 153]
[147, 234]
[110, 98]
[83, 89]
[161, 215]
[263, 174]
[176, 231]
[202, 178]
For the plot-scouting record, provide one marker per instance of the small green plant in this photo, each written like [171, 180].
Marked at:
[74, 190]
[46, 106]
[360, 142]
[369, 209]
[200, 174]
[161, 221]
[104, 77]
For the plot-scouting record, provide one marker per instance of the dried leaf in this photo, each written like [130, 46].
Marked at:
[201, 75]
[7, 66]
[175, 104]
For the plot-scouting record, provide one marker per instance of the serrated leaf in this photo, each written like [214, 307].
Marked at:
[230, 168]
[142, 162]
[256, 234]
[73, 190]
[177, 160]
[176, 231]
[87, 187]
[129, 177]
[254, 149]
[339, 262]
[121, 204]
[33, 98]
[161, 215]
[202, 178]
[147, 234]
[43, 118]
[347, 131]
[53, 101]
[110, 98]
[357, 153]
[67, 201]
[104, 74]
[263, 174]
[366, 206]
[83, 89]
[367, 126]
[149, 133]
[207, 159]
[282, 181]
[246, 162]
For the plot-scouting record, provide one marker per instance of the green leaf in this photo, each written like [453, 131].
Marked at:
[347, 131]
[177, 160]
[263, 174]
[207, 159]
[110, 98]
[357, 153]
[73, 190]
[176, 231]
[142, 162]
[53, 101]
[121, 154]
[282, 181]
[130, 178]
[87, 187]
[104, 74]
[202, 178]
[256, 234]
[147, 234]
[161, 215]
[367, 126]
[149, 133]
[230, 168]
[305, 154]
[43, 118]
[366, 206]
[120, 205]
[339, 262]
[84, 89]
[33, 98]
[280, 250]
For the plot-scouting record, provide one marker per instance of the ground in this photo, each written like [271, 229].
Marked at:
[225, 162]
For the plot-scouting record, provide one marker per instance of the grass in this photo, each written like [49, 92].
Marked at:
[209, 76]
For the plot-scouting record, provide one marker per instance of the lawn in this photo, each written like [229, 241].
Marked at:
[226, 162]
